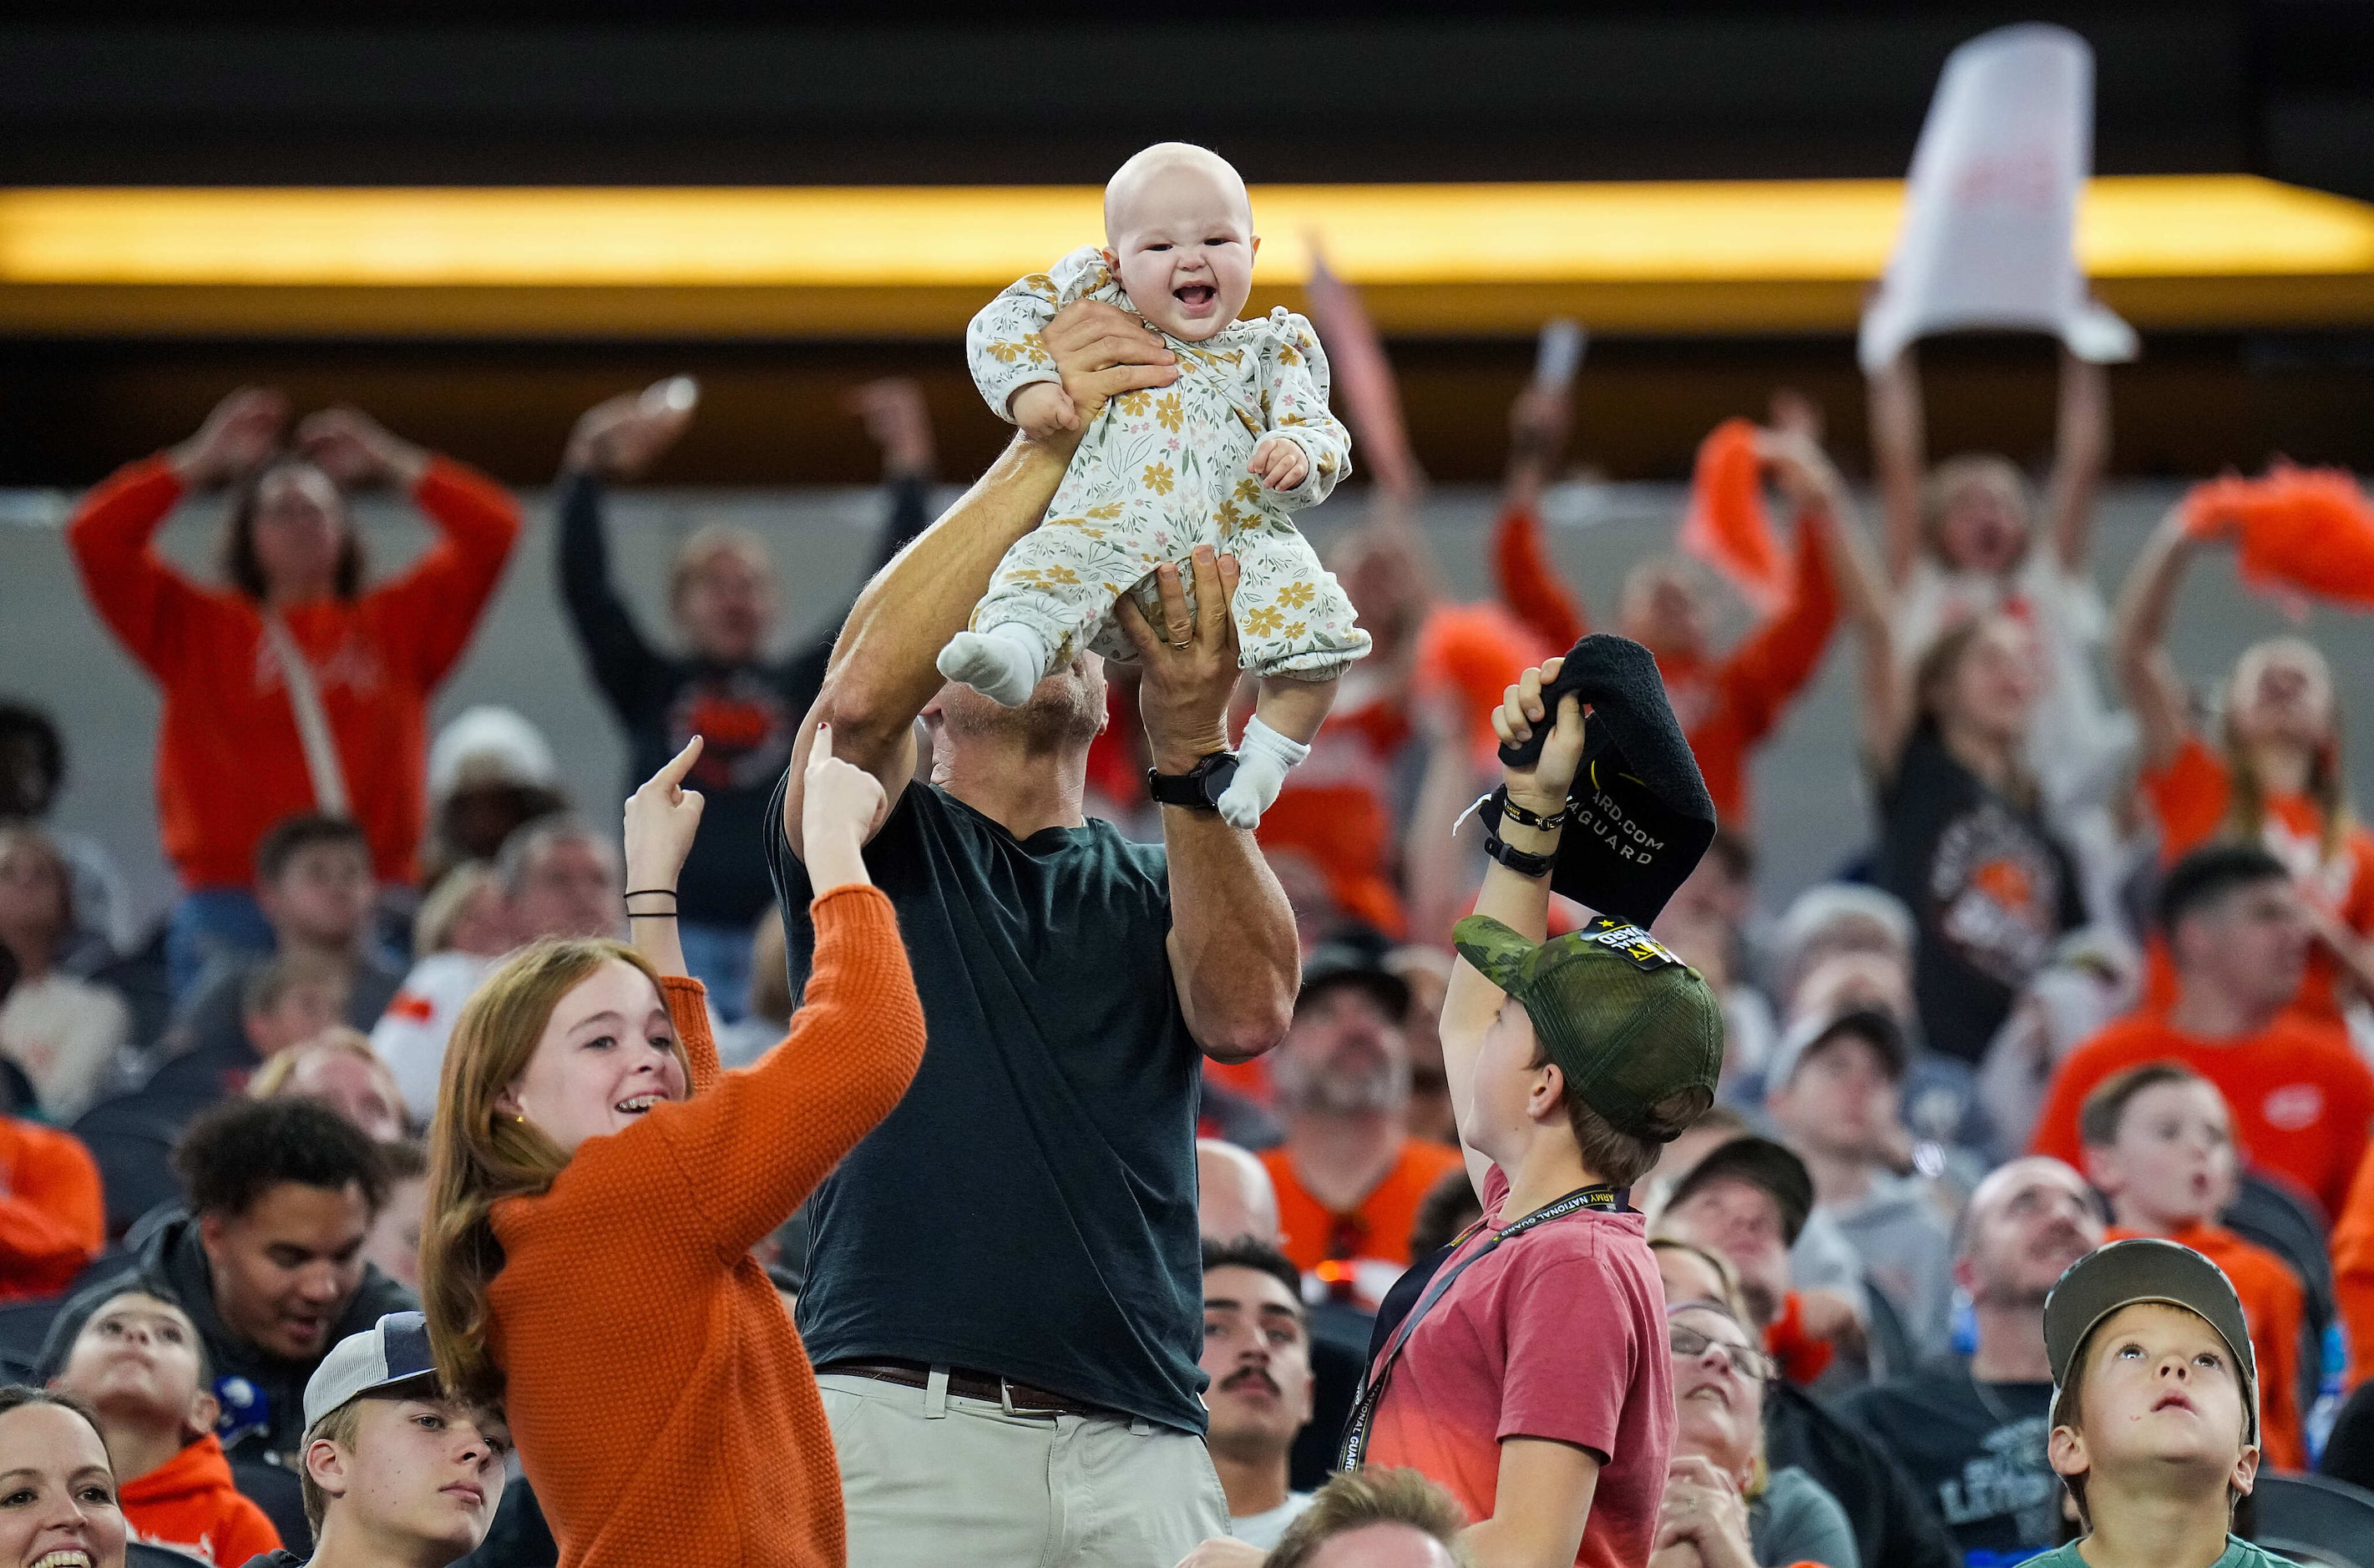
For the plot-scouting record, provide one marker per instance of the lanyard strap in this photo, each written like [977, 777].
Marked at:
[1373, 1387]
[322, 768]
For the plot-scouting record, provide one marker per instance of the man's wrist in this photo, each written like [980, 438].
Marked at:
[1056, 446]
[1175, 760]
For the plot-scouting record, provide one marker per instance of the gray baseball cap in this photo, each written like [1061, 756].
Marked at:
[2143, 1269]
[387, 1359]
[1887, 1037]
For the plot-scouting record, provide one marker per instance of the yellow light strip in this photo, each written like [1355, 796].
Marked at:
[979, 238]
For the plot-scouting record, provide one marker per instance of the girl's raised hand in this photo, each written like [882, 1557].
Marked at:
[841, 807]
[662, 818]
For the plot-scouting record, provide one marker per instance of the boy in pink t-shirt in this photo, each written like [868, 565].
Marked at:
[1533, 1379]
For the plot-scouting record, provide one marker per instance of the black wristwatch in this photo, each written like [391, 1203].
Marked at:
[1199, 788]
[1524, 862]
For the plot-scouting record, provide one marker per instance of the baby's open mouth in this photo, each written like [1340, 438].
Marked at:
[1196, 295]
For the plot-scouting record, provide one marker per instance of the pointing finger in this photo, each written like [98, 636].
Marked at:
[821, 751]
[672, 773]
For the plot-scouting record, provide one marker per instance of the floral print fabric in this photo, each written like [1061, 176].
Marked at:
[1161, 471]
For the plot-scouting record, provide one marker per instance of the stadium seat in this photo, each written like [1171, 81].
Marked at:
[132, 1138]
[2315, 1520]
[276, 1490]
[2279, 1219]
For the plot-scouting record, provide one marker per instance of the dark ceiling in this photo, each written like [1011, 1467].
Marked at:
[497, 93]
[594, 92]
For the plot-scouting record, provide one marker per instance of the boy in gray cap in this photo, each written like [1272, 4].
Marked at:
[2155, 1409]
[396, 1474]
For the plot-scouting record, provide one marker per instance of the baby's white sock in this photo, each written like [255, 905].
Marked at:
[1003, 663]
[1262, 761]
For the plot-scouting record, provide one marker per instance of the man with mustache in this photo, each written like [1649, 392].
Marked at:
[1349, 1176]
[1257, 1353]
[1971, 1433]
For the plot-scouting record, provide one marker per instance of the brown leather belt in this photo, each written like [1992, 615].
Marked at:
[1019, 1397]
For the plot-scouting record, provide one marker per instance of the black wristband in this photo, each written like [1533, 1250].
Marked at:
[651, 893]
[1523, 862]
[1533, 820]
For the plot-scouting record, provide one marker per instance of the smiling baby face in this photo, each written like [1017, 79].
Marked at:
[1179, 235]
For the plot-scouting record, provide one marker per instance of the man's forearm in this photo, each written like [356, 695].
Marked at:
[882, 670]
[1232, 936]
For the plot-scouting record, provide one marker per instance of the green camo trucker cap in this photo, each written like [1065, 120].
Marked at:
[1631, 1026]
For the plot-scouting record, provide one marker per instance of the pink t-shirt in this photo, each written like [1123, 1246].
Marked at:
[1558, 1333]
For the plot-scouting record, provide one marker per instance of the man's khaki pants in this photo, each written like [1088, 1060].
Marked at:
[931, 1481]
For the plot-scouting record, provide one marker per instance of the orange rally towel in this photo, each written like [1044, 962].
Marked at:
[1727, 526]
[2310, 529]
[1475, 652]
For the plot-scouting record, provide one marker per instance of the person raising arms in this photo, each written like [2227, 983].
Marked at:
[1964, 839]
[582, 1100]
[291, 688]
[726, 683]
[1532, 1379]
[1013, 1253]
[1962, 540]
[2272, 774]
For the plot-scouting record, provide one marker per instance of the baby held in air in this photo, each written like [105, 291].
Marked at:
[1221, 457]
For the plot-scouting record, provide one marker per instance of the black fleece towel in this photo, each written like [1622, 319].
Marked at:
[1643, 816]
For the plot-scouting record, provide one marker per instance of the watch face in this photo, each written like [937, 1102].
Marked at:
[1199, 787]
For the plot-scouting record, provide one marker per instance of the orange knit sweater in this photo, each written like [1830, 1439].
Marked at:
[664, 1408]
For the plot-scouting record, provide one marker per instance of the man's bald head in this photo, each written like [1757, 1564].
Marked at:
[1235, 1196]
[2026, 1222]
[1170, 161]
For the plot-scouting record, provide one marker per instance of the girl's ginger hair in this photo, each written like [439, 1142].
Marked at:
[478, 1156]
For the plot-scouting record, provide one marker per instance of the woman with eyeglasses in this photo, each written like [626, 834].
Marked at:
[1722, 1508]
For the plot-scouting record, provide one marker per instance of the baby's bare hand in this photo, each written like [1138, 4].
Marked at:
[1280, 465]
[1042, 408]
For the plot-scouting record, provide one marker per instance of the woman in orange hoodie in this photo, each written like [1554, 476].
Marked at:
[290, 689]
[596, 1184]
[140, 1364]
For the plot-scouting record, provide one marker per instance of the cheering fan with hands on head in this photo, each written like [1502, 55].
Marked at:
[582, 1098]
[290, 689]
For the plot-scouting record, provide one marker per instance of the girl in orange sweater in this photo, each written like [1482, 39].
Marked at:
[291, 688]
[596, 1183]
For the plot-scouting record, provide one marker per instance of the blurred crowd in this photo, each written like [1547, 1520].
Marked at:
[2101, 969]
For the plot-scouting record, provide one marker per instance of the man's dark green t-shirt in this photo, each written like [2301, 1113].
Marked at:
[1028, 1209]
